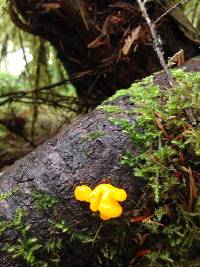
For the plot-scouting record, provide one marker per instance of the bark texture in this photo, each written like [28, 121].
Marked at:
[58, 166]
[89, 37]
[69, 159]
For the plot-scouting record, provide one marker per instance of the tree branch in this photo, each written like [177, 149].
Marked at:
[156, 41]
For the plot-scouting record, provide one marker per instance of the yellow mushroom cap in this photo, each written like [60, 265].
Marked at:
[119, 194]
[82, 192]
[104, 187]
[94, 199]
[110, 209]
[104, 217]
[94, 203]
[104, 198]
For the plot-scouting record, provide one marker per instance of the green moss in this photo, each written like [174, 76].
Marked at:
[44, 201]
[25, 246]
[30, 249]
[166, 136]
[14, 223]
[128, 92]
[120, 93]
[6, 195]
[111, 108]
[73, 235]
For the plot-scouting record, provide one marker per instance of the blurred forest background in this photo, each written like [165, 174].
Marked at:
[36, 98]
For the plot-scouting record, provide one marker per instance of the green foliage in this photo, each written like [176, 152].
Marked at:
[28, 115]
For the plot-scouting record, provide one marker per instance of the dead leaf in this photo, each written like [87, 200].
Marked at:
[130, 40]
[142, 253]
[142, 218]
[100, 40]
[193, 190]
[50, 6]
[177, 59]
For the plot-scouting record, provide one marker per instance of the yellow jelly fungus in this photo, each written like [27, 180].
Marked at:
[82, 192]
[104, 198]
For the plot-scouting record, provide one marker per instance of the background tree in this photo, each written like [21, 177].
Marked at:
[105, 42]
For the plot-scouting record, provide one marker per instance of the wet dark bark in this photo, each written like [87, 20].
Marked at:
[72, 25]
[69, 159]
[58, 166]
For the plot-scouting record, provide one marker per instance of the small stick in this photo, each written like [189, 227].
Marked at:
[170, 10]
[157, 42]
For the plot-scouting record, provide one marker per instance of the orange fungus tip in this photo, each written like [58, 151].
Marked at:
[104, 198]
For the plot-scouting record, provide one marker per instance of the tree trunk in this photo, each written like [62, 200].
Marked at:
[89, 37]
[39, 193]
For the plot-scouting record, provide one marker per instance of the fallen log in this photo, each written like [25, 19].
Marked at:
[41, 222]
[87, 152]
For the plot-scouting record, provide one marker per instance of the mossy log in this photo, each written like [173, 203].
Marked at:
[41, 222]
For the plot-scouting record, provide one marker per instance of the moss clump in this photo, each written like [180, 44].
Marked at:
[26, 246]
[6, 195]
[44, 201]
[29, 247]
[15, 222]
[166, 136]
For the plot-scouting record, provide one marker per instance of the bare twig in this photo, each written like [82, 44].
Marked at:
[157, 42]
[170, 10]
[25, 58]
